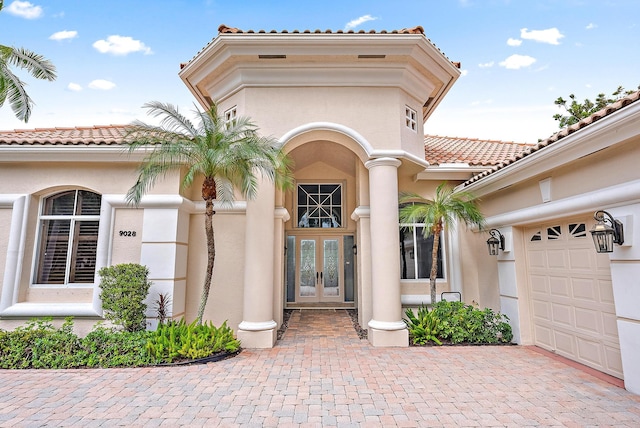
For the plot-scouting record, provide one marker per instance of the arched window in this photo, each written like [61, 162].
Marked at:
[68, 238]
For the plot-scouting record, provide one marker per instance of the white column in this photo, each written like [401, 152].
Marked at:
[386, 328]
[625, 271]
[258, 329]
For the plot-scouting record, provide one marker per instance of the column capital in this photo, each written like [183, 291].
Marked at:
[383, 162]
[360, 212]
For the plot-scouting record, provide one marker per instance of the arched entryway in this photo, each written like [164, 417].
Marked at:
[321, 235]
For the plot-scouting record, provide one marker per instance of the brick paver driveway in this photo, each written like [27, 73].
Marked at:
[321, 374]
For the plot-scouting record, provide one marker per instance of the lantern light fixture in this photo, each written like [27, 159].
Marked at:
[606, 232]
[495, 243]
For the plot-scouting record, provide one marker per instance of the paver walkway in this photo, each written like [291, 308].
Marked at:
[322, 374]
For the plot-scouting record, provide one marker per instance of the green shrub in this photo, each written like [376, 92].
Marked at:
[423, 326]
[56, 348]
[124, 289]
[178, 340]
[38, 344]
[107, 347]
[456, 322]
[16, 347]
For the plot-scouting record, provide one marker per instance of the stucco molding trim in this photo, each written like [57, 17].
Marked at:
[26, 309]
[400, 154]
[151, 201]
[362, 211]
[19, 205]
[608, 197]
[383, 161]
[387, 325]
[84, 153]
[282, 214]
[257, 326]
[328, 126]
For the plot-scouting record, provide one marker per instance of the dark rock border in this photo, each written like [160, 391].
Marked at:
[362, 333]
[218, 356]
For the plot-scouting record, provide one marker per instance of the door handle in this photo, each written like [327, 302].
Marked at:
[316, 278]
[321, 280]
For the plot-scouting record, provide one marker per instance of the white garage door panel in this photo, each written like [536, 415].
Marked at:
[559, 286]
[579, 260]
[585, 289]
[571, 295]
[562, 314]
[613, 358]
[589, 321]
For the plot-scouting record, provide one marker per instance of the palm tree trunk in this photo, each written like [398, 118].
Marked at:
[434, 263]
[211, 257]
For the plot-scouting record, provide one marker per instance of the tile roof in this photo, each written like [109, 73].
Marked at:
[475, 152]
[611, 108]
[88, 136]
[224, 29]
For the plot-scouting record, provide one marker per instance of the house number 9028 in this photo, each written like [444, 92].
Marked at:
[127, 233]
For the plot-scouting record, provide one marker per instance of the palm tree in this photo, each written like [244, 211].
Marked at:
[438, 213]
[11, 87]
[228, 155]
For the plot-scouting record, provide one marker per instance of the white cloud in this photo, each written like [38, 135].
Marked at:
[591, 26]
[550, 35]
[464, 73]
[486, 64]
[514, 42]
[515, 62]
[359, 21]
[74, 87]
[121, 45]
[101, 84]
[24, 9]
[64, 35]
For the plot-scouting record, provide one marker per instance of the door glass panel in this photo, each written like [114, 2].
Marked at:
[308, 272]
[349, 268]
[291, 268]
[330, 271]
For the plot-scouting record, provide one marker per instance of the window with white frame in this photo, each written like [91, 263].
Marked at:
[416, 252]
[68, 238]
[230, 116]
[411, 120]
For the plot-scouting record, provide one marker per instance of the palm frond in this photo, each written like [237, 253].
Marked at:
[37, 65]
[16, 94]
[172, 119]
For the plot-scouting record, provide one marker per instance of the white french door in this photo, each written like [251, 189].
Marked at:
[319, 269]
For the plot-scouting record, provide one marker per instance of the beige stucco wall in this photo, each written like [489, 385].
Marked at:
[41, 179]
[227, 288]
[379, 116]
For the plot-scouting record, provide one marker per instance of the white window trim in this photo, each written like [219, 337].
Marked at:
[38, 241]
[411, 118]
[230, 115]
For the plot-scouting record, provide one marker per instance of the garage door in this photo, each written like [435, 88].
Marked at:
[571, 295]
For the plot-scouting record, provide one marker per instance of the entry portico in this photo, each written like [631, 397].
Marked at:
[349, 109]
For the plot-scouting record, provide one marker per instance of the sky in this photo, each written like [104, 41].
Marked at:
[517, 56]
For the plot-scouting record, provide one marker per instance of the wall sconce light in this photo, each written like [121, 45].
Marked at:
[495, 242]
[355, 249]
[606, 232]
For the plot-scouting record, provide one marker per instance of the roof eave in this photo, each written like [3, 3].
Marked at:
[605, 132]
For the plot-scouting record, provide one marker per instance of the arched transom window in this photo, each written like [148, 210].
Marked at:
[68, 238]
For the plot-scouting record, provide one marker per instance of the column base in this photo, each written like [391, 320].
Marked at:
[257, 339]
[389, 338]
